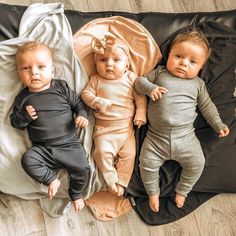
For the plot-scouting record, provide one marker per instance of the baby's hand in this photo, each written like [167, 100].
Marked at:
[81, 122]
[224, 132]
[104, 105]
[157, 93]
[139, 123]
[31, 111]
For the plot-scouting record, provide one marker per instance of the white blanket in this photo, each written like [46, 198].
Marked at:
[46, 23]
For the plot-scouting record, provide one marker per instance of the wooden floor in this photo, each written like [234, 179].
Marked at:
[217, 217]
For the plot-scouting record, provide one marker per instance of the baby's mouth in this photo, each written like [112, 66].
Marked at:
[109, 71]
[35, 80]
[179, 70]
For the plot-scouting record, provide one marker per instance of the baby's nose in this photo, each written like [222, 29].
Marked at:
[184, 62]
[109, 62]
[35, 70]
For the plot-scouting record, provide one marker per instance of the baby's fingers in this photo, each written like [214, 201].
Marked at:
[224, 132]
[31, 111]
[29, 108]
[154, 96]
[163, 90]
[81, 122]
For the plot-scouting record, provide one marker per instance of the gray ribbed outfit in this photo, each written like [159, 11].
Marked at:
[171, 133]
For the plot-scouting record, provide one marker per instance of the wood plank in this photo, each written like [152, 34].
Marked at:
[184, 226]
[225, 5]
[193, 6]
[218, 216]
[107, 5]
[72, 223]
[84, 223]
[82, 5]
[20, 217]
[138, 5]
[151, 6]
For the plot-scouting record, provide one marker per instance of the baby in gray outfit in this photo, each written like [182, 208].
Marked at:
[175, 92]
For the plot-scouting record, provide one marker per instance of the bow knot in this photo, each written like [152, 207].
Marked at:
[99, 45]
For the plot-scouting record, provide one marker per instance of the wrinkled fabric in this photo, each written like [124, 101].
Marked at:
[144, 51]
[46, 23]
[219, 75]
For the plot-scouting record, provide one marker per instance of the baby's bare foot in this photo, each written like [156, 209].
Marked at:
[120, 190]
[179, 200]
[113, 189]
[154, 202]
[53, 187]
[78, 204]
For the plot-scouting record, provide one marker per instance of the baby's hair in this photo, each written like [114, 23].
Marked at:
[30, 46]
[193, 36]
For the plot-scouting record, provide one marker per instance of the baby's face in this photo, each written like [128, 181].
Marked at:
[186, 59]
[35, 69]
[113, 64]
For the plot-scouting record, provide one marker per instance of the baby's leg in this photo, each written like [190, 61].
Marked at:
[154, 202]
[103, 155]
[53, 187]
[153, 154]
[179, 200]
[78, 204]
[192, 160]
[125, 162]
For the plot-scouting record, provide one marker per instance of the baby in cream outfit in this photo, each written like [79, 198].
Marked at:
[117, 108]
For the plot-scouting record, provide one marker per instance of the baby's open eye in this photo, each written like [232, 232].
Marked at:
[42, 67]
[193, 62]
[103, 59]
[25, 68]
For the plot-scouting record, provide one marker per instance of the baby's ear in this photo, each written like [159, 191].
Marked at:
[128, 65]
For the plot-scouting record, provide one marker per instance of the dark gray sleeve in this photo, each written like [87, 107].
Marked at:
[77, 104]
[19, 117]
[209, 110]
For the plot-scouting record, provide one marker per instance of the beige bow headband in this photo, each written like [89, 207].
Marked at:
[107, 43]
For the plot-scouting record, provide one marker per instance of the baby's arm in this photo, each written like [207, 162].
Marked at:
[210, 112]
[145, 85]
[92, 100]
[141, 108]
[20, 117]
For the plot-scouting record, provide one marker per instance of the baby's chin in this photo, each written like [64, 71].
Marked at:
[111, 77]
[180, 75]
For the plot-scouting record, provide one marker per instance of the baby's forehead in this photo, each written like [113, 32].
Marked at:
[116, 50]
[187, 46]
[31, 48]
